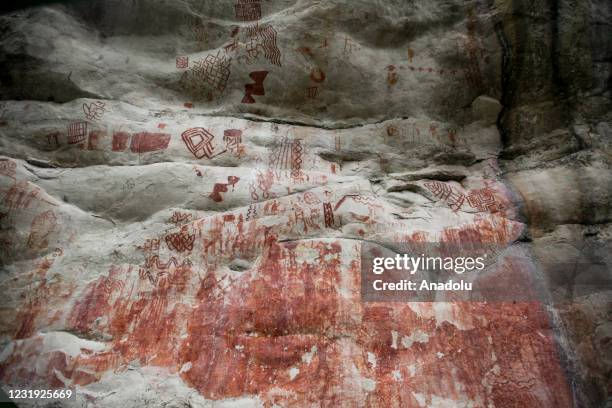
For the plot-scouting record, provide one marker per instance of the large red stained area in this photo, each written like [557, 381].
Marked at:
[292, 330]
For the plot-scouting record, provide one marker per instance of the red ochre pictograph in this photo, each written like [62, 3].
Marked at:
[482, 200]
[317, 75]
[144, 142]
[7, 168]
[223, 188]
[182, 62]
[287, 155]
[248, 10]
[94, 110]
[312, 92]
[199, 142]
[328, 215]
[77, 132]
[256, 88]
[213, 70]
[42, 226]
[232, 139]
[120, 141]
[180, 241]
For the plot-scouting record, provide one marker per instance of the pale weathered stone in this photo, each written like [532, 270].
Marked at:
[172, 236]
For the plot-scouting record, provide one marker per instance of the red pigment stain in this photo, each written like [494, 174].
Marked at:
[120, 140]
[305, 50]
[95, 136]
[149, 142]
[317, 75]
[297, 306]
[485, 230]
[219, 188]
[36, 310]
[95, 302]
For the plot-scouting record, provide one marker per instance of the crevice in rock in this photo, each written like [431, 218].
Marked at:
[505, 80]
[314, 124]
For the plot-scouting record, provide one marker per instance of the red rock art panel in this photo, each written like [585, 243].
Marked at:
[317, 75]
[155, 270]
[150, 246]
[483, 199]
[199, 142]
[300, 217]
[233, 141]
[262, 38]
[311, 198]
[292, 329]
[312, 92]
[180, 241]
[214, 71]
[94, 110]
[40, 300]
[255, 88]
[251, 212]
[198, 172]
[310, 344]
[410, 55]
[287, 154]
[349, 45]
[182, 62]
[262, 186]
[7, 168]
[219, 188]
[94, 140]
[328, 213]
[77, 132]
[392, 75]
[248, 10]
[43, 225]
[28, 314]
[179, 218]
[144, 142]
[53, 140]
[427, 134]
[473, 49]
[199, 32]
[120, 141]
[446, 193]
[22, 194]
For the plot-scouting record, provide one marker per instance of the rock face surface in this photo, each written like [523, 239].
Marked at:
[185, 187]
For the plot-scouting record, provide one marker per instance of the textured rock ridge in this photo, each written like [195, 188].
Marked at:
[185, 188]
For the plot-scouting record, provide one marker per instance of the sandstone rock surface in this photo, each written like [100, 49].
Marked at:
[185, 187]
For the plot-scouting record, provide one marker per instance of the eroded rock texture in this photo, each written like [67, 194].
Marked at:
[185, 187]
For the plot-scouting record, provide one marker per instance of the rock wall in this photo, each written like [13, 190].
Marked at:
[185, 187]
[556, 131]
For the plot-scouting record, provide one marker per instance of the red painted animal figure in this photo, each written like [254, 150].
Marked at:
[222, 188]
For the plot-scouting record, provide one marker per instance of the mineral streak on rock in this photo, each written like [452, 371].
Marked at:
[185, 188]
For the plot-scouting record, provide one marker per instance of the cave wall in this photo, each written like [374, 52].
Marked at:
[185, 187]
